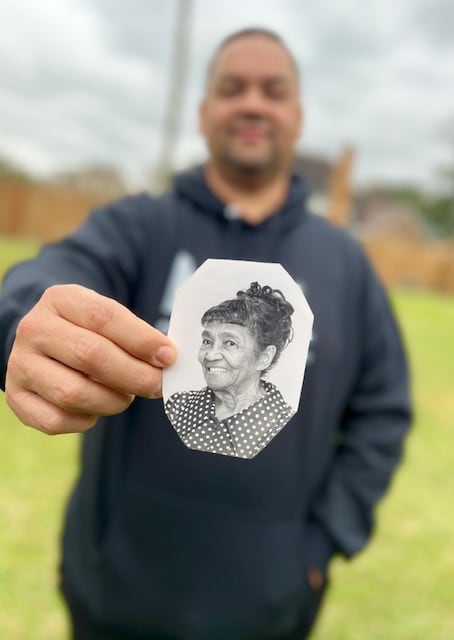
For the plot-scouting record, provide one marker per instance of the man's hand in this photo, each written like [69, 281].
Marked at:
[79, 355]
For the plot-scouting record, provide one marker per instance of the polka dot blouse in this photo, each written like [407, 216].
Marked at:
[243, 435]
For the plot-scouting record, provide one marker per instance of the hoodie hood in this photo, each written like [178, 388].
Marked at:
[192, 186]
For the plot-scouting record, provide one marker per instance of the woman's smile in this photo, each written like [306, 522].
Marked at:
[211, 371]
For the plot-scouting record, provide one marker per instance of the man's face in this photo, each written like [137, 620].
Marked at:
[251, 114]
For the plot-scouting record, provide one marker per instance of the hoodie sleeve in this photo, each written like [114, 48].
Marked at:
[103, 255]
[376, 418]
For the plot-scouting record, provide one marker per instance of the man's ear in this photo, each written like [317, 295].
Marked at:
[300, 116]
[266, 357]
[202, 112]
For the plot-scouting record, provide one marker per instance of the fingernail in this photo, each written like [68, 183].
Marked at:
[166, 355]
[156, 393]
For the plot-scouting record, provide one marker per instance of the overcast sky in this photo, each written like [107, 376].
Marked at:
[85, 81]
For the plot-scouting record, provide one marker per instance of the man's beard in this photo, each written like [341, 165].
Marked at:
[255, 169]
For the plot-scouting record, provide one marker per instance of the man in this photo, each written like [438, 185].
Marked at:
[162, 541]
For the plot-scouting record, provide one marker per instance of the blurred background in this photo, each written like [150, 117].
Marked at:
[99, 98]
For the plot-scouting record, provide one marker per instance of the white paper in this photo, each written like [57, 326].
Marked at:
[189, 383]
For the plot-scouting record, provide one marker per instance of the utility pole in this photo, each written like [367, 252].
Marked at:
[175, 93]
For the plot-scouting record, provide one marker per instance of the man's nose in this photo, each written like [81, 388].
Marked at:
[253, 102]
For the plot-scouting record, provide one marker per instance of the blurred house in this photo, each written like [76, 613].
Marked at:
[317, 171]
[331, 192]
[401, 245]
[378, 214]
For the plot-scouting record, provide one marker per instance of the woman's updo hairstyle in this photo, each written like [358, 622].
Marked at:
[263, 311]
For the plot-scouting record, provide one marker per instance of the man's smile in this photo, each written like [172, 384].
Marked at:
[251, 131]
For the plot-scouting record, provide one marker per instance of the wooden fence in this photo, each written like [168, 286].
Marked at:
[47, 213]
[44, 212]
[427, 265]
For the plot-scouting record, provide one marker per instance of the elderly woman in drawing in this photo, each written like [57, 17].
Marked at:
[238, 413]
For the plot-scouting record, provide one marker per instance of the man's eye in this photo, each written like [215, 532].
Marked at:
[229, 90]
[230, 344]
[206, 342]
[276, 92]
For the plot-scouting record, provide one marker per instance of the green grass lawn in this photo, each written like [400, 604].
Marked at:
[400, 588]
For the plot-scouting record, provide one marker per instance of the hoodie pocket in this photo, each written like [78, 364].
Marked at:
[190, 570]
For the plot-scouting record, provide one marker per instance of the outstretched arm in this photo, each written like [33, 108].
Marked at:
[70, 350]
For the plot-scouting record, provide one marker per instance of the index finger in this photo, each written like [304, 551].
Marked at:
[110, 319]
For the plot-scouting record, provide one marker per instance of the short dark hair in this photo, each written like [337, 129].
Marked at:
[252, 32]
[263, 311]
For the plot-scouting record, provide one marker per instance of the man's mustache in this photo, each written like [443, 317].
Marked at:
[251, 121]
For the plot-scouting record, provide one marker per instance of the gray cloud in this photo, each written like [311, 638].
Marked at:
[140, 28]
[434, 21]
[86, 80]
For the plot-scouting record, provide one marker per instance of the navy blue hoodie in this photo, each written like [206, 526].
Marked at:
[183, 544]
